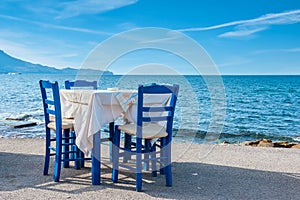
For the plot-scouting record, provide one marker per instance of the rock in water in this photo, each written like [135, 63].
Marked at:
[22, 125]
[18, 118]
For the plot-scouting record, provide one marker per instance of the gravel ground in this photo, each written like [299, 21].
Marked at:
[199, 172]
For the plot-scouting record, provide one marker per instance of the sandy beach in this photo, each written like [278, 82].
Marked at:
[199, 172]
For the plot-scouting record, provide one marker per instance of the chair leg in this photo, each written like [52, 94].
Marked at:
[66, 148]
[77, 156]
[96, 158]
[168, 162]
[168, 171]
[115, 154]
[147, 154]
[153, 160]
[138, 164]
[168, 168]
[47, 152]
[127, 146]
[138, 178]
[162, 155]
[111, 133]
[77, 153]
[58, 157]
[81, 155]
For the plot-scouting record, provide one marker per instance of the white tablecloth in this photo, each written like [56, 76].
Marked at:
[91, 109]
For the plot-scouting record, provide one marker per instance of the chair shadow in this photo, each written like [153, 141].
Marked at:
[207, 181]
[190, 180]
[19, 171]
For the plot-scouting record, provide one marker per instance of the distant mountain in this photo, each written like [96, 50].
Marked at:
[9, 64]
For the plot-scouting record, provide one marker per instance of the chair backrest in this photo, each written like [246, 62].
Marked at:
[166, 111]
[80, 84]
[51, 102]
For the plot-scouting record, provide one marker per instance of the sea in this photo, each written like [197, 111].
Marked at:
[210, 109]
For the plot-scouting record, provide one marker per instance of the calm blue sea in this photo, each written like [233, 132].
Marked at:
[256, 106]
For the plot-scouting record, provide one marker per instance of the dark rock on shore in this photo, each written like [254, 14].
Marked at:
[270, 143]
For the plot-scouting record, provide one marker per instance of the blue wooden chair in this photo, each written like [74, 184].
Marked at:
[63, 137]
[80, 84]
[149, 130]
[83, 84]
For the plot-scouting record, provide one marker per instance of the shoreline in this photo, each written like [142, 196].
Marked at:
[200, 171]
[199, 137]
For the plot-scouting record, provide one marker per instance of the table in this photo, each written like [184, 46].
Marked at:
[91, 109]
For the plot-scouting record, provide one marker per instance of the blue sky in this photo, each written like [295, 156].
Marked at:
[242, 37]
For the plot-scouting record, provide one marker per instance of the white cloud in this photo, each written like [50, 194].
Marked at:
[76, 29]
[53, 26]
[37, 54]
[289, 50]
[251, 26]
[296, 50]
[171, 37]
[75, 8]
[241, 33]
[7, 33]
[127, 26]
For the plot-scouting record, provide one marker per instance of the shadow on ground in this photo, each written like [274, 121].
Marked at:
[190, 180]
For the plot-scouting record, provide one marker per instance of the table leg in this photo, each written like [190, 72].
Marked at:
[96, 169]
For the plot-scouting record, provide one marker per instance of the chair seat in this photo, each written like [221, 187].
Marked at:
[65, 125]
[67, 120]
[150, 130]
